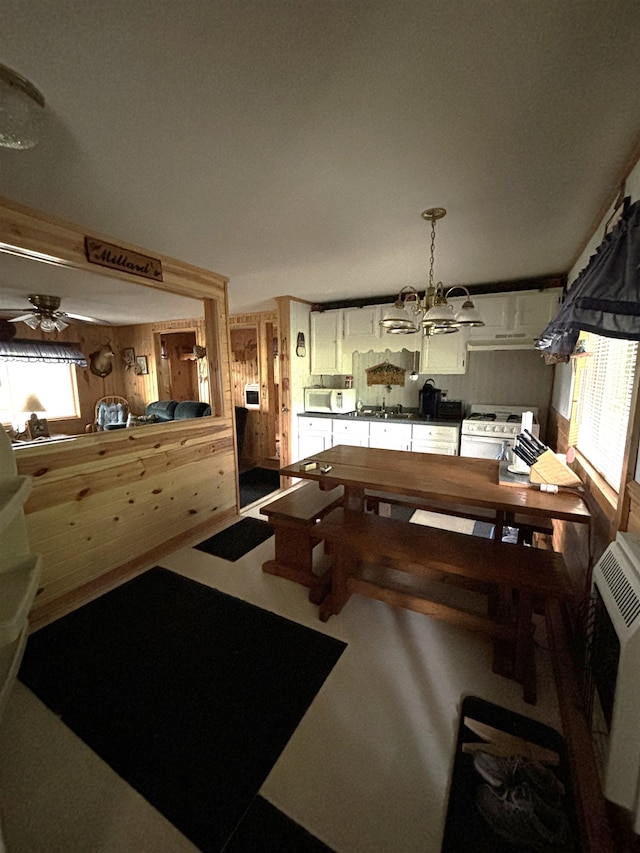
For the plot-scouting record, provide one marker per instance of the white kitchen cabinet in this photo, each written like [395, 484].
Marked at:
[326, 342]
[361, 323]
[352, 433]
[361, 332]
[513, 320]
[390, 436]
[435, 438]
[314, 436]
[443, 354]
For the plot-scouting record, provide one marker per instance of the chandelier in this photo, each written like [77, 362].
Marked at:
[435, 315]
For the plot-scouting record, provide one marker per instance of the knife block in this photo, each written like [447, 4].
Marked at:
[549, 469]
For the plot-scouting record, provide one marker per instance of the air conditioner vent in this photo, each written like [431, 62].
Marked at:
[623, 593]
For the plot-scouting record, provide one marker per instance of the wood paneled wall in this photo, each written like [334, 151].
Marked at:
[251, 348]
[106, 505]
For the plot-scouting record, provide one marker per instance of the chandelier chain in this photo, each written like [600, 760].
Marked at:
[433, 248]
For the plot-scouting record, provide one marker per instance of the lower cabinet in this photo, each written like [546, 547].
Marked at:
[351, 433]
[314, 436]
[390, 436]
[438, 438]
[318, 434]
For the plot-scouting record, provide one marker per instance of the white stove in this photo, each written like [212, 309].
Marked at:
[489, 432]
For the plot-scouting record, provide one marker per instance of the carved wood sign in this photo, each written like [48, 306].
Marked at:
[116, 258]
[385, 374]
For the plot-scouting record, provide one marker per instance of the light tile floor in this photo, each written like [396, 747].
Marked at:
[367, 769]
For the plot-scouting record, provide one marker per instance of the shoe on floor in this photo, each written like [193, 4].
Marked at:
[509, 772]
[520, 817]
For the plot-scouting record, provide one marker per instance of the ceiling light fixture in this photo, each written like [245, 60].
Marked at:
[436, 315]
[22, 111]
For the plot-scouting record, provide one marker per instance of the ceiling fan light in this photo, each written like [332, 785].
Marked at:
[60, 324]
[22, 111]
[33, 321]
[47, 324]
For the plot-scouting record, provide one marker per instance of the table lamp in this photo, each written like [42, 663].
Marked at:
[32, 404]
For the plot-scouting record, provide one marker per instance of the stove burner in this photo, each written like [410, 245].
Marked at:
[482, 416]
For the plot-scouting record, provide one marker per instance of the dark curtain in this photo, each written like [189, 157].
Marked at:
[605, 297]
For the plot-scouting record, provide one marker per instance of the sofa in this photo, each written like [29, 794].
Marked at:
[172, 410]
[114, 417]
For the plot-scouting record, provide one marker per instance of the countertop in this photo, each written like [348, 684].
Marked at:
[407, 417]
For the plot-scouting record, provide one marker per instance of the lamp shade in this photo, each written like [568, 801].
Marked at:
[398, 322]
[22, 111]
[33, 404]
[468, 315]
[440, 315]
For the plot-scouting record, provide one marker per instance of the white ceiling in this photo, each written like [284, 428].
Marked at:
[293, 144]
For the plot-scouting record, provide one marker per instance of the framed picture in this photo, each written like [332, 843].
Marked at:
[129, 357]
[142, 366]
[37, 428]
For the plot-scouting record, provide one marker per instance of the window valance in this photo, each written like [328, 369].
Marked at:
[605, 297]
[52, 352]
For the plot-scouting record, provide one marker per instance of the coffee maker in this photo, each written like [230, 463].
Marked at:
[429, 399]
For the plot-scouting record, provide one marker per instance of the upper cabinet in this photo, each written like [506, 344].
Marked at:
[326, 342]
[513, 320]
[360, 332]
[442, 354]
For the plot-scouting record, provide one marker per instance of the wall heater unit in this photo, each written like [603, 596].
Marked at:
[615, 666]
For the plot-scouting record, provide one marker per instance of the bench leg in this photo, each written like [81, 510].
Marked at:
[525, 650]
[343, 566]
[500, 607]
[293, 554]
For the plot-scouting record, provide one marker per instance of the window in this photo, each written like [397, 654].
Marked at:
[53, 384]
[602, 401]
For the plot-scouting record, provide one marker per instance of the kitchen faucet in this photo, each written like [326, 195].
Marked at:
[383, 407]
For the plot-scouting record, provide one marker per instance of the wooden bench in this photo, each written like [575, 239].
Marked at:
[417, 565]
[525, 524]
[294, 519]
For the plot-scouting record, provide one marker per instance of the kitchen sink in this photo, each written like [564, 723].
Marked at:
[387, 416]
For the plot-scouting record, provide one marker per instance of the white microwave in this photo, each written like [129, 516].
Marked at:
[252, 395]
[337, 400]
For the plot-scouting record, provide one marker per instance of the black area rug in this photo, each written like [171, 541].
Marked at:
[465, 827]
[265, 829]
[257, 483]
[236, 541]
[189, 694]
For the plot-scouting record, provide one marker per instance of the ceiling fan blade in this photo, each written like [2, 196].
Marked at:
[22, 318]
[80, 318]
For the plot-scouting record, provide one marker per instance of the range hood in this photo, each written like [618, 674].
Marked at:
[504, 341]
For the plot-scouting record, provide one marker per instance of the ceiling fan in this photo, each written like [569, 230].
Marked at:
[46, 316]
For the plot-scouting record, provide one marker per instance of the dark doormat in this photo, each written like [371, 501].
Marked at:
[236, 541]
[189, 694]
[490, 818]
[257, 483]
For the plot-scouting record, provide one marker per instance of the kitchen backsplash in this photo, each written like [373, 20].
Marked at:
[518, 377]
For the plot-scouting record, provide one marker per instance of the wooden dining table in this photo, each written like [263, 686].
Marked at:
[454, 483]
[458, 481]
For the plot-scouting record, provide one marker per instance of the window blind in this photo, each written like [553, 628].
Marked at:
[604, 401]
[52, 352]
